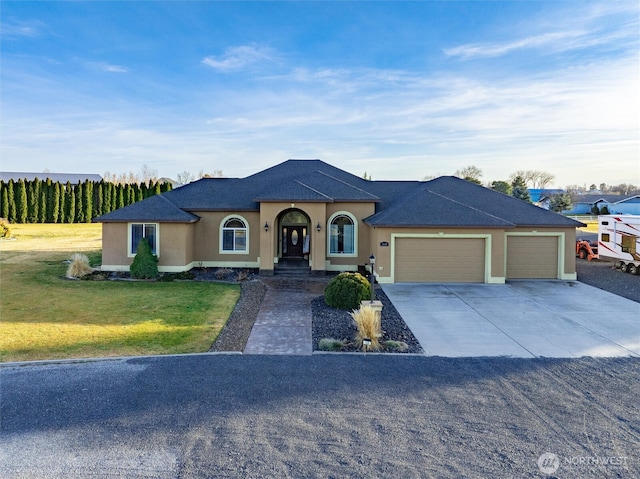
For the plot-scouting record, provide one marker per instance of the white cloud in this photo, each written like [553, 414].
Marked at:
[22, 28]
[239, 58]
[610, 23]
[496, 49]
[107, 67]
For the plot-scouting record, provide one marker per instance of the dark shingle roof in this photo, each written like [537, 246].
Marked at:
[445, 201]
[154, 208]
[611, 199]
[450, 201]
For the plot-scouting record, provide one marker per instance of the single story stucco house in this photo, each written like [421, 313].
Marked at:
[616, 204]
[443, 230]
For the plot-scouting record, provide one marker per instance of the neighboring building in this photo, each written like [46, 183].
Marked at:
[616, 204]
[174, 184]
[541, 196]
[72, 178]
[443, 230]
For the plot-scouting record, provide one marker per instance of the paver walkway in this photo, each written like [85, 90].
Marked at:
[283, 324]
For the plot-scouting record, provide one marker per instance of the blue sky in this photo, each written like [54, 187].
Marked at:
[401, 90]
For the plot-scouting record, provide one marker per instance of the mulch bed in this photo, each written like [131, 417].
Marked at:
[336, 323]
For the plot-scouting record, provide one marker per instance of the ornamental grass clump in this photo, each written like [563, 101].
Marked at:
[145, 263]
[346, 290]
[5, 229]
[367, 321]
[331, 344]
[78, 266]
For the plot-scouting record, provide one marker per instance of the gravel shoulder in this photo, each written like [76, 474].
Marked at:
[603, 275]
[324, 416]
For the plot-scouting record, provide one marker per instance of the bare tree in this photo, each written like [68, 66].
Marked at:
[148, 174]
[185, 177]
[215, 174]
[470, 173]
[541, 179]
[534, 178]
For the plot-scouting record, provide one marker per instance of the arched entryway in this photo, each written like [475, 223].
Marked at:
[294, 233]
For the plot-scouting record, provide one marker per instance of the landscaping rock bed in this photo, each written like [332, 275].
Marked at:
[335, 323]
[235, 333]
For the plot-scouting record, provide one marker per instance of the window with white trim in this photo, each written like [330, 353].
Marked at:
[342, 235]
[234, 235]
[138, 231]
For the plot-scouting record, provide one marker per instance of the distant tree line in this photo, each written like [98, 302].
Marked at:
[44, 201]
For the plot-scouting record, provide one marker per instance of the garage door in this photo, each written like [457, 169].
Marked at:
[532, 257]
[439, 260]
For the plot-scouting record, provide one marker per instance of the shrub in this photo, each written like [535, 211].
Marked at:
[367, 321]
[399, 346]
[346, 290]
[5, 229]
[223, 273]
[78, 266]
[331, 344]
[604, 210]
[145, 263]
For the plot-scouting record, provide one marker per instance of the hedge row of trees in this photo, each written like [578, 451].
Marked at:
[44, 201]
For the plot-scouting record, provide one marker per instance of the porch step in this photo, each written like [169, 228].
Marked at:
[291, 267]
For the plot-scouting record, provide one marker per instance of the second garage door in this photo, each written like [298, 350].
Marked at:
[439, 260]
[532, 257]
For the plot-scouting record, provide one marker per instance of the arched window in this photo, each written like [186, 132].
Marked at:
[342, 235]
[234, 235]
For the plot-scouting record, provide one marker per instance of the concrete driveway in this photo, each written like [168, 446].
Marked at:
[520, 319]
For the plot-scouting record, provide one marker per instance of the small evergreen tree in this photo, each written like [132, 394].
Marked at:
[33, 200]
[520, 190]
[21, 202]
[5, 202]
[55, 202]
[87, 201]
[98, 191]
[79, 203]
[120, 197]
[70, 203]
[44, 202]
[145, 263]
[560, 203]
[114, 197]
[11, 195]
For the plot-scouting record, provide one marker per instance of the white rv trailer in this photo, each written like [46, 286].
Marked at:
[619, 239]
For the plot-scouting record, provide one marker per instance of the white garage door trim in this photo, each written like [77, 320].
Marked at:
[487, 250]
[561, 253]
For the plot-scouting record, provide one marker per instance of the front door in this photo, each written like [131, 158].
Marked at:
[293, 238]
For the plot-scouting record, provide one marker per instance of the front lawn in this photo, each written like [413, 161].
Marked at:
[44, 316]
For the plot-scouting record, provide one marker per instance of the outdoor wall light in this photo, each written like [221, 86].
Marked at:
[266, 226]
[372, 262]
[318, 227]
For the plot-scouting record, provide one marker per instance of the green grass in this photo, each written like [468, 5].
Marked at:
[45, 316]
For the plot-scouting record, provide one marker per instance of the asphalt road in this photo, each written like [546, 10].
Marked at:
[328, 416]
